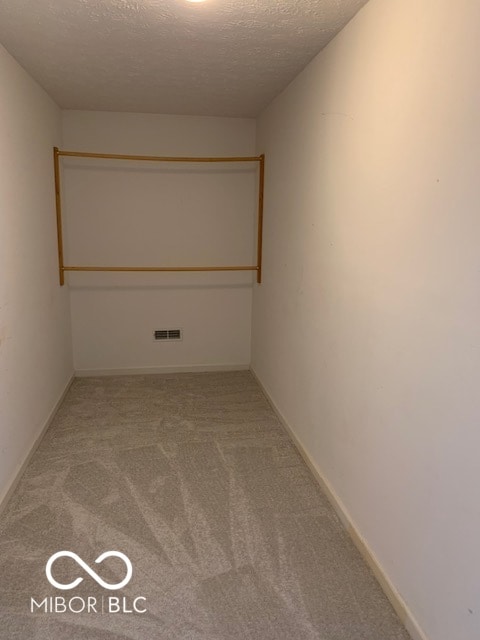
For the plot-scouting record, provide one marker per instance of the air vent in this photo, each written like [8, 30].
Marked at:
[161, 335]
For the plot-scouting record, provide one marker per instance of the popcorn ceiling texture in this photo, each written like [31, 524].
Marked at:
[221, 57]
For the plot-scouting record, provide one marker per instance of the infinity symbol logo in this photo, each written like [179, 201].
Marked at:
[95, 576]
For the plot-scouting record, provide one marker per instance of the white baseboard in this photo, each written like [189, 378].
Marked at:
[388, 588]
[135, 371]
[6, 494]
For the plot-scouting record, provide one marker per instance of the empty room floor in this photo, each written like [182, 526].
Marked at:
[193, 478]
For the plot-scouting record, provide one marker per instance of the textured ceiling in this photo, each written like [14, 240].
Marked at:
[221, 57]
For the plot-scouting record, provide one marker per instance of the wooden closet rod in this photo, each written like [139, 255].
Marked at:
[57, 153]
[121, 156]
[252, 268]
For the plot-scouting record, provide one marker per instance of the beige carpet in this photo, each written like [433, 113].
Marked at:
[194, 480]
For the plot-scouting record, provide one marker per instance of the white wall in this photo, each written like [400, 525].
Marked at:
[35, 343]
[144, 214]
[366, 329]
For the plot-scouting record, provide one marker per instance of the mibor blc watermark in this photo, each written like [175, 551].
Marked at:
[107, 604]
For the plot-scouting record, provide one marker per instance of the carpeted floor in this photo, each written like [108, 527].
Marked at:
[194, 480]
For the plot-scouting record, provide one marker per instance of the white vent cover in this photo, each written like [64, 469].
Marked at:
[163, 335]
